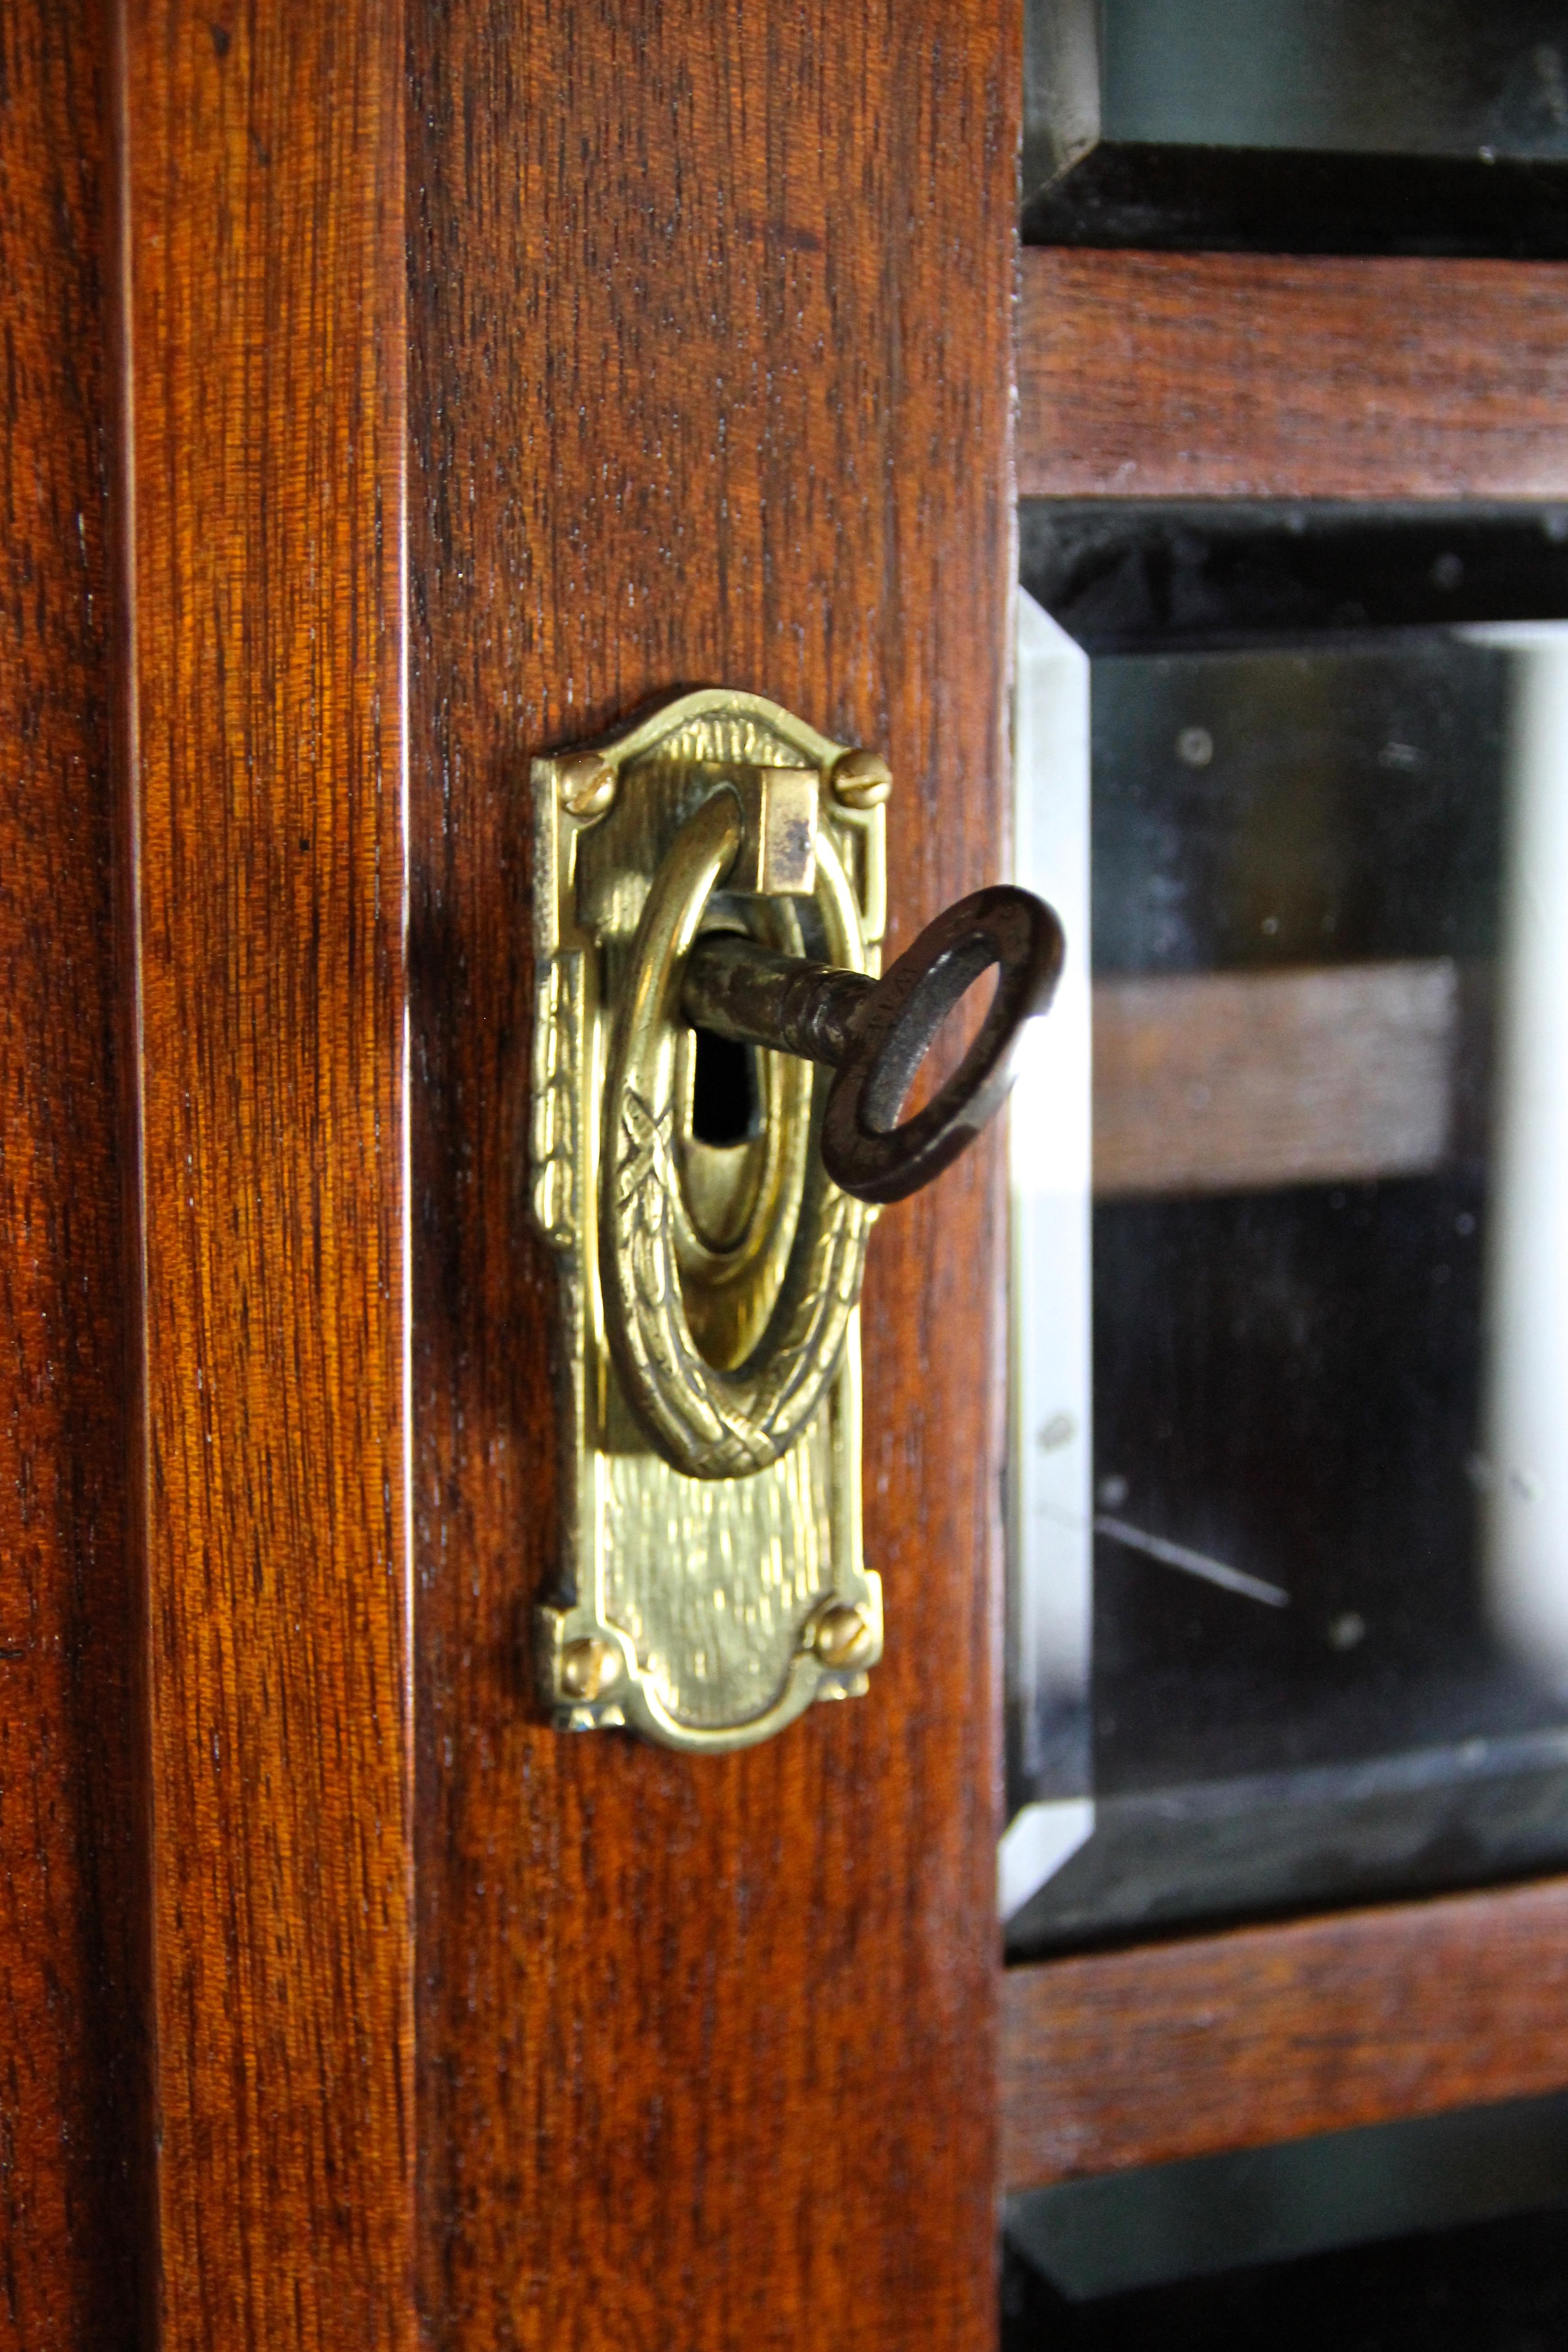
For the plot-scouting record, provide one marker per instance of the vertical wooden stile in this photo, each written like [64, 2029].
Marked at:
[263, 437]
[711, 331]
[74, 2135]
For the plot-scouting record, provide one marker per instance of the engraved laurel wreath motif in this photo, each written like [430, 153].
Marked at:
[709, 1423]
[718, 1425]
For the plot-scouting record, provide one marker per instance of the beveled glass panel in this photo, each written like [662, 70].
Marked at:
[1330, 1288]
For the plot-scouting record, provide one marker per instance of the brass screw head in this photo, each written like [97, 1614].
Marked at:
[589, 1667]
[843, 1637]
[861, 780]
[586, 783]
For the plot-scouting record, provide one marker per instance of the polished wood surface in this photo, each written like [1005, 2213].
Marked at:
[1215, 375]
[74, 2132]
[1236, 1081]
[708, 318]
[1220, 2042]
[711, 326]
[263, 424]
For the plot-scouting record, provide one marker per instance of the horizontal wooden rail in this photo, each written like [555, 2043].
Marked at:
[1225, 375]
[1236, 2041]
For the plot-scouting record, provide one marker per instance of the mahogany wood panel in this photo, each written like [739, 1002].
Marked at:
[1238, 2041]
[74, 2135]
[1215, 375]
[262, 259]
[711, 328]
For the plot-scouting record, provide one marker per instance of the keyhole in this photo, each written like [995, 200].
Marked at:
[727, 1104]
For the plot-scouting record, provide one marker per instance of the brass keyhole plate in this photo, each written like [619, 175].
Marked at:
[703, 1611]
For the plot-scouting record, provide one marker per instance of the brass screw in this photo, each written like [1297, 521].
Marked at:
[586, 783]
[589, 1668]
[843, 1637]
[862, 779]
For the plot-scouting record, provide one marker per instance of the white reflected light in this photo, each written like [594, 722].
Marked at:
[1052, 1434]
[1523, 1469]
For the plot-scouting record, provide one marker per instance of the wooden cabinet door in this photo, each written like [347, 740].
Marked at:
[398, 391]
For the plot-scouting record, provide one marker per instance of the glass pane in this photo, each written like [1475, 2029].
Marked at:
[1377, 77]
[1330, 1280]
[1120, 2232]
[1326, 125]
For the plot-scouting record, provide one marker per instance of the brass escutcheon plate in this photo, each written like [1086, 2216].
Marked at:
[711, 1583]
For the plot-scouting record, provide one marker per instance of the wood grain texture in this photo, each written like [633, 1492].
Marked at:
[74, 2142]
[710, 333]
[262, 228]
[1213, 375]
[1239, 2041]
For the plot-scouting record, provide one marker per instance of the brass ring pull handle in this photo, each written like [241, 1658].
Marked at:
[708, 1422]
[876, 1033]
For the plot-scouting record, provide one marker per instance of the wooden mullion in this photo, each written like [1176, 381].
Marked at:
[1207, 2045]
[1244, 376]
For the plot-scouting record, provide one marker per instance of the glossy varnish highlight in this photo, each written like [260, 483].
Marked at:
[263, 422]
[74, 2137]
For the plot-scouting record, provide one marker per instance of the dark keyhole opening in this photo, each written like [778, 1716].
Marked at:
[727, 1102]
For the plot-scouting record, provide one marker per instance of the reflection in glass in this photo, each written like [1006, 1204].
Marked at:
[1381, 77]
[1049, 1659]
[1297, 125]
[1330, 1254]
[1115, 2232]
[1523, 1468]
